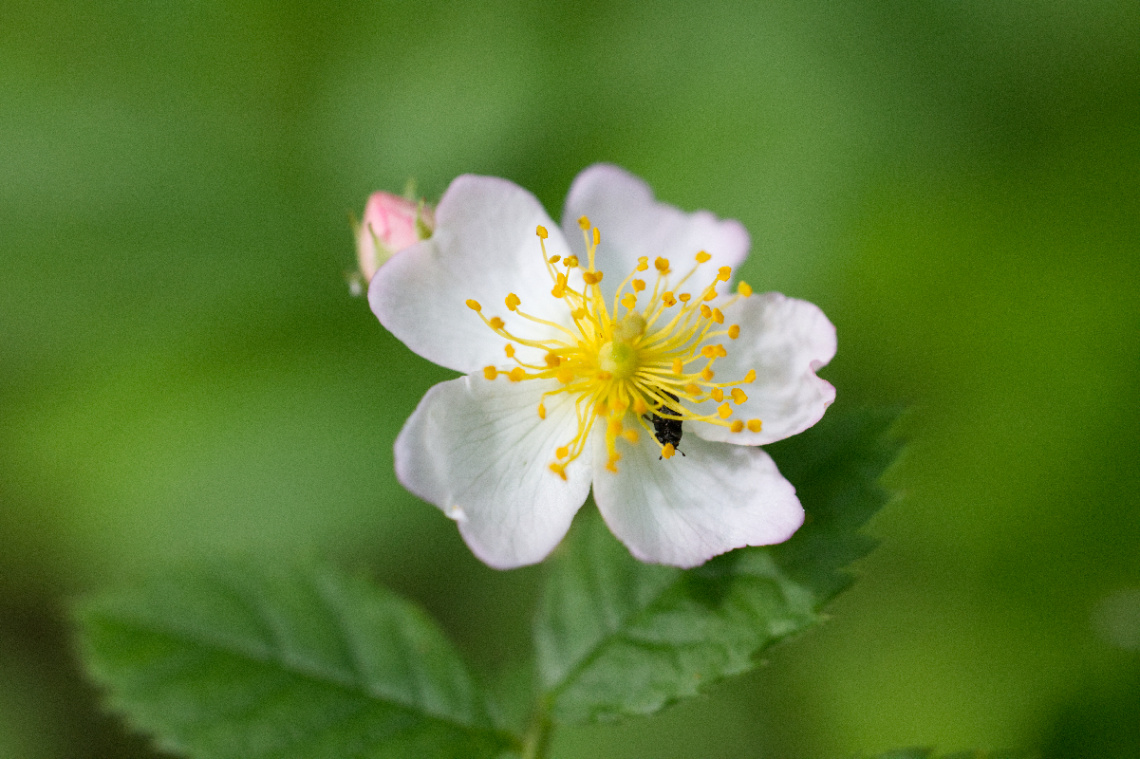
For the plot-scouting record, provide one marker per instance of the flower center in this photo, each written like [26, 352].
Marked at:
[628, 363]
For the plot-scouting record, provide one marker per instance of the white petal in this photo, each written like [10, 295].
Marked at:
[484, 247]
[478, 450]
[785, 340]
[687, 509]
[633, 224]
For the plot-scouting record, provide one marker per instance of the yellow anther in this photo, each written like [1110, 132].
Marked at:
[744, 289]
[633, 360]
[750, 377]
[584, 222]
[755, 425]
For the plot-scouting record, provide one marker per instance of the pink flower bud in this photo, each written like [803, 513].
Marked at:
[390, 224]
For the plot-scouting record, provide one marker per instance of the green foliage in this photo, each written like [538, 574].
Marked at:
[239, 662]
[617, 637]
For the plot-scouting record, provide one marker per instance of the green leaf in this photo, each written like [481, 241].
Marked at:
[616, 637]
[234, 661]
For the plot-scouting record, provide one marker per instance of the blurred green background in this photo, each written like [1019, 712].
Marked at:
[957, 184]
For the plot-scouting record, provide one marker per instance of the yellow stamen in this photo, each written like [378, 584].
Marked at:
[629, 360]
[754, 425]
[744, 289]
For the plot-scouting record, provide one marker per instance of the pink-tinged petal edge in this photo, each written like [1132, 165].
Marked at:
[478, 451]
[484, 247]
[687, 509]
[633, 223]
[785, 340]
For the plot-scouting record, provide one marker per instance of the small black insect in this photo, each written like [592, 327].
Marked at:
[665, 429]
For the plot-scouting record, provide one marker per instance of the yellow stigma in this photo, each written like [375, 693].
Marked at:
[644, 355]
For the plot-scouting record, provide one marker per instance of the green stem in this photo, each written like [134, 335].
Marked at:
[536, 742]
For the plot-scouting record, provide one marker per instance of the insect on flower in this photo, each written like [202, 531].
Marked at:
[587, 349]
[667, 427]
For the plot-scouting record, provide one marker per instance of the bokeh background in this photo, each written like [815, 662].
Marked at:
[183, 372]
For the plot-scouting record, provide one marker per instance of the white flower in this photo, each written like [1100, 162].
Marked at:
[577, 379]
